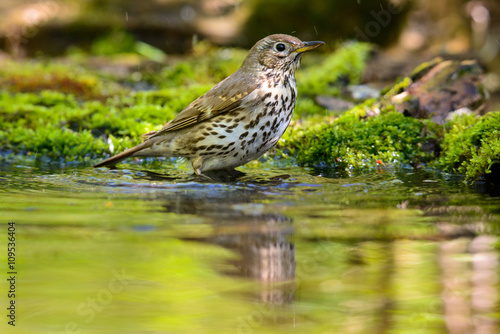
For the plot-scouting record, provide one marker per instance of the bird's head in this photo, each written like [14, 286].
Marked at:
[279, 51]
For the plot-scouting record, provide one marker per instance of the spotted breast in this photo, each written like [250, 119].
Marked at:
[236, 138]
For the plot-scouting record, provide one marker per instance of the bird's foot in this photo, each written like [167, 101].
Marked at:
[203, 177]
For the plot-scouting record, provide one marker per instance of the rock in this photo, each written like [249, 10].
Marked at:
[438, 88]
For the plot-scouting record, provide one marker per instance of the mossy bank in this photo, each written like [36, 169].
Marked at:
[62, 111]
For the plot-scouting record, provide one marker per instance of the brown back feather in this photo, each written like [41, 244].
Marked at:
[227, 95]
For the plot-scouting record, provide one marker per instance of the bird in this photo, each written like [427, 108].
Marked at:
[240, 118]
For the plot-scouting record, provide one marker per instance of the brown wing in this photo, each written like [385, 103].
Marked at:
[222, 98]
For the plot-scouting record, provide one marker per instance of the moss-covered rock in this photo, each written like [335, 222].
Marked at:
[404, 130]
[437, 89]
[352, 143]
[471, 146]
[467, 145]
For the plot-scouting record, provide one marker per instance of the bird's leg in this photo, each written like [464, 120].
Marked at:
[197, 164]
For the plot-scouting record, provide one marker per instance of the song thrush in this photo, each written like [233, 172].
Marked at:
[240, 118]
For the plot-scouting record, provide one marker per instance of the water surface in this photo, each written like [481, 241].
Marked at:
[271, 250]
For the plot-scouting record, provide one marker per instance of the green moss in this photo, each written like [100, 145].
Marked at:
[55, 143]
[397, 88]
[35, 76]
[472, 146]
[55, 125]
[424, 68]
[352, 143]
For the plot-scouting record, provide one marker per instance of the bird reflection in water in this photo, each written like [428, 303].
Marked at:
[261, 239]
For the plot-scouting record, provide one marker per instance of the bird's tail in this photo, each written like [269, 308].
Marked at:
[124, 155]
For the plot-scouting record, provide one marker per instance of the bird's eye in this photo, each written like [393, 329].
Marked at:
[280, 47]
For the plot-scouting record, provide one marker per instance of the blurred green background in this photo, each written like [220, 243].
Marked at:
[408, 31]
[53, 26]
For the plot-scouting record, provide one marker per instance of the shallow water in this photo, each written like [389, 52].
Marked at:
[275, 249]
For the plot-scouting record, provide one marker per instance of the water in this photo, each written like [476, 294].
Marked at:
[272, 250]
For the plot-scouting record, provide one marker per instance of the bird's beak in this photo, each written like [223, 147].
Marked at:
[308, 46]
